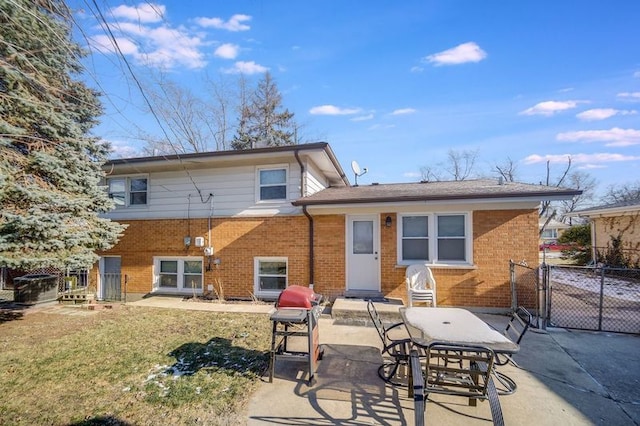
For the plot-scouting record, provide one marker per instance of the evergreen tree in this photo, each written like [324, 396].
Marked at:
[263, 122]
[50, 168]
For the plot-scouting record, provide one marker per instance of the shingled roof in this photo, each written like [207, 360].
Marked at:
[619, 207]
[435, 191]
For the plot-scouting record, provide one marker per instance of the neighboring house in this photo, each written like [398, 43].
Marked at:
[551, 232]
[249, 223]
[617, 220]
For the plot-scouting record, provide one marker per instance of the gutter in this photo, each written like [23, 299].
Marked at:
[296, 153]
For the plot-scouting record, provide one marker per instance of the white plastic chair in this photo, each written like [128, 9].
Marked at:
[421, 286]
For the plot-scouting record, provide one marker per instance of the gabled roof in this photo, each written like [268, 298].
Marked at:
[481, 189]
[613, 209]
[319, 152]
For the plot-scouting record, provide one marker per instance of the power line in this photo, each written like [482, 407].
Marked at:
[114, 40]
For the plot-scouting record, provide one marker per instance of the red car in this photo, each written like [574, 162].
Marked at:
[554, 246]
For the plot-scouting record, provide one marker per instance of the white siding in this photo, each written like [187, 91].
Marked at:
[315, 180]
[174, 195]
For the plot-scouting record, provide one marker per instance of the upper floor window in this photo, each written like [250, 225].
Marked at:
[272, 184]
[434, 238]
[128, 191]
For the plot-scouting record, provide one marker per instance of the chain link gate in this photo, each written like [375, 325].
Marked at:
[588, 298]
[527, 291]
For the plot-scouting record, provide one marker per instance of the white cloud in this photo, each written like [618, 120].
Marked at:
[235, 23]
[363, 118]
[227, 51]
[602, 113]
[614, 136]
[154, 45]
[548, 108]
[403, 111]
[416, 69]
[333, 110]
[122, 149]
[463, 53]
[143, 12]
[629, 96]
[588, 159]
[169, 47]
[104, 44]
[249, 67]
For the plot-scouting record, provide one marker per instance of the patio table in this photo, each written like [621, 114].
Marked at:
[457, 327]
[453, 326]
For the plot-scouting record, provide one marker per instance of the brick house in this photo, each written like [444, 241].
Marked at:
[249, 223]
[617, 220]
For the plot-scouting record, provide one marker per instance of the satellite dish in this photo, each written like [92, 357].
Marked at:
[355, 167]
[357, 171]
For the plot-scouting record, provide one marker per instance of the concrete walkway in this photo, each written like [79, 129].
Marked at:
[564, 378]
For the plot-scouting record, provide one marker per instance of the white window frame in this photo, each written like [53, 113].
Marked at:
[127, 190]
[256, 275]
[181, 287]
[259, 185]
[433, 238]
[553, 234]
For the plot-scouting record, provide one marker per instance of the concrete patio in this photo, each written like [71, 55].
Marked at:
[565, 377]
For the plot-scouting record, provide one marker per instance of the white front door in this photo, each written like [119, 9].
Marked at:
[363, 242]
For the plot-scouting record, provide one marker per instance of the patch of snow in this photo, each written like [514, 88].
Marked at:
[590, 280]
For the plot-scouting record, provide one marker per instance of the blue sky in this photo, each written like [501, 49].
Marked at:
[396, 85]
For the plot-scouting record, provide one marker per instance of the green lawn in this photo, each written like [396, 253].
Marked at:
[130, 365]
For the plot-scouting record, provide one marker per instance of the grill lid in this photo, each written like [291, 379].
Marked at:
[296, 296]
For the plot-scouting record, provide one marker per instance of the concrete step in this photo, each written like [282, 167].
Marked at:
[351, 311]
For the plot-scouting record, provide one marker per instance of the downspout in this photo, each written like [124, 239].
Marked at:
[309, 217]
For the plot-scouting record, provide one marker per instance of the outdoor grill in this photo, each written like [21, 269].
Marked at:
[297, 312]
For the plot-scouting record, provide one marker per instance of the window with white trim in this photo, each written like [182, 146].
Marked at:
[549, 234]
[270, 275]
[176, 274]
[434, 238]
[128, 191]
[272, 184]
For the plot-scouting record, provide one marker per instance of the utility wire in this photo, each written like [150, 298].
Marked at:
[144, 95]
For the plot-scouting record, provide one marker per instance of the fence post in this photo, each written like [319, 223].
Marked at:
[512, 281]
[543, 296]
[601, 301]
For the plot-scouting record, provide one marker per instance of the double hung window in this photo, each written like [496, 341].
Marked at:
[128, 191]
[270, 275]
[272, 184]
[178, 274]
[434, 238]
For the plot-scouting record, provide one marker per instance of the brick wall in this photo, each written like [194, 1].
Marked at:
[626, 227]
[236, 243]
[498, 236]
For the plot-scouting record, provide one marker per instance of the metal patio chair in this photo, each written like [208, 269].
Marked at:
[515, 330]
[468, 373]
[396, 349]
[421, 285]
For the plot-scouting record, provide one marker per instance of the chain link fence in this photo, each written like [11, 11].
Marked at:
[585, 298]
[594, 298]
[525, 290]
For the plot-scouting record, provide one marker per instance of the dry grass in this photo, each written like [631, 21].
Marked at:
[130, 365]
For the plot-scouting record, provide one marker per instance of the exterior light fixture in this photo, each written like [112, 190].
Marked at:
[187, 241]
[387, 222]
